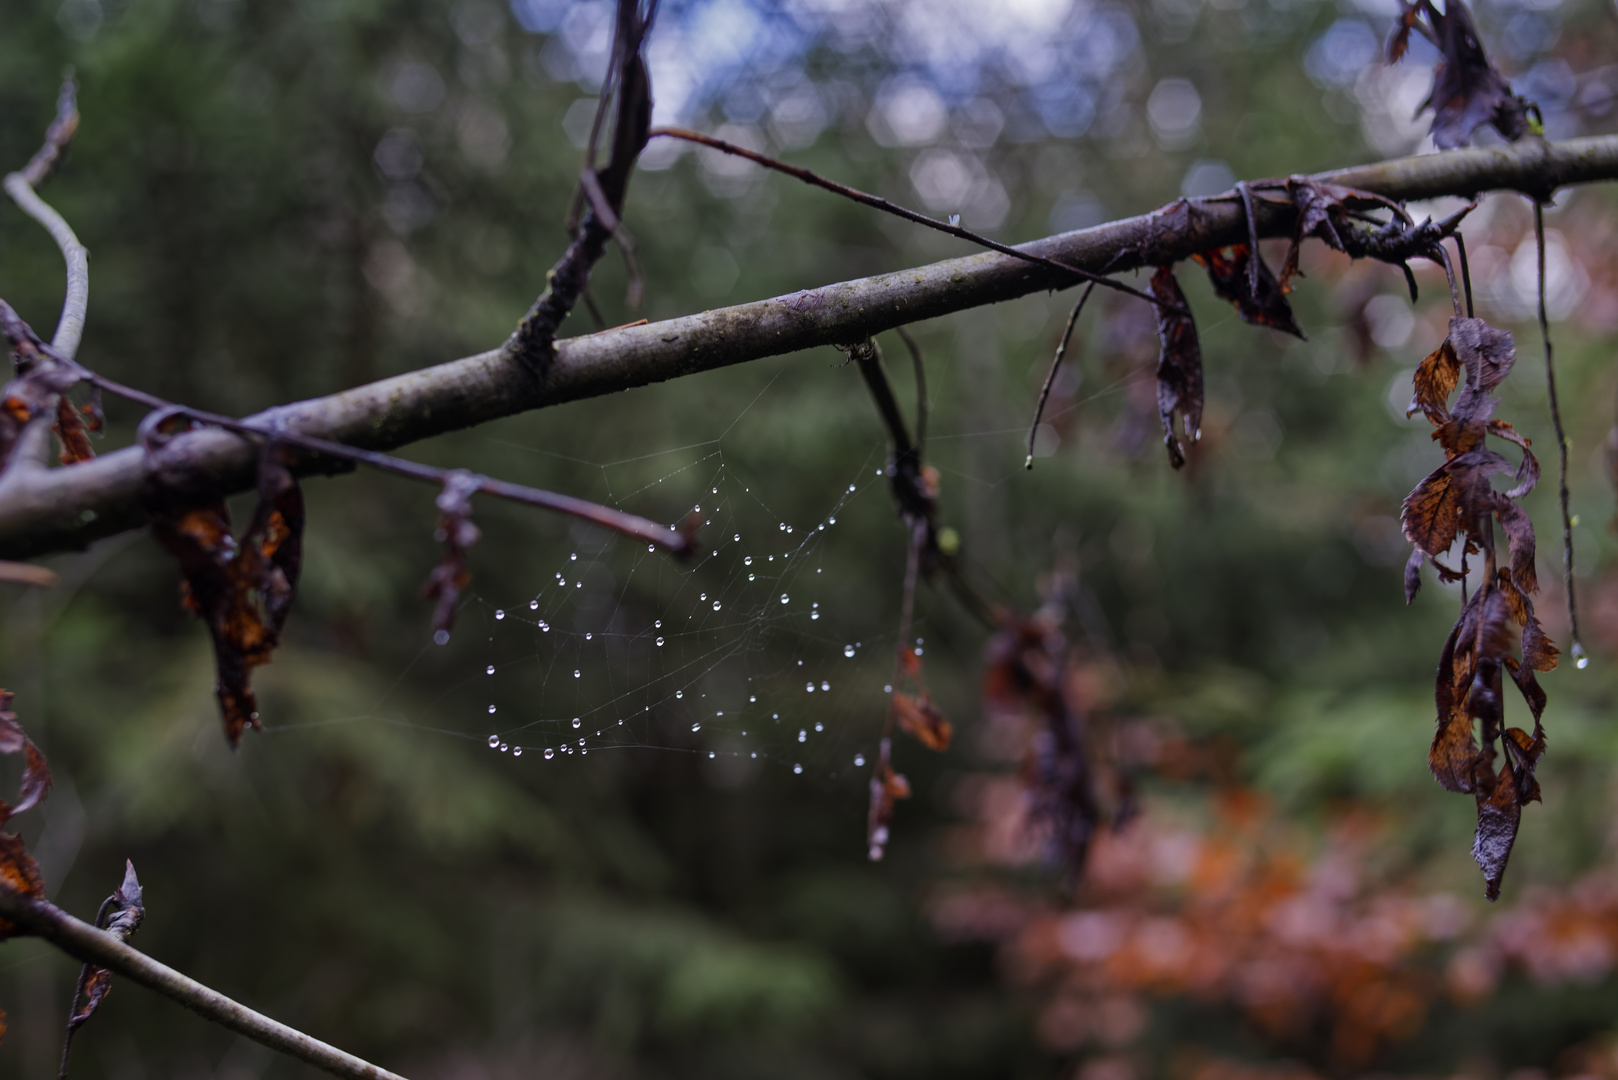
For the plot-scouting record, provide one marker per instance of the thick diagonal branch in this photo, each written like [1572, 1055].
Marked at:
[84, 942]
[64, 509]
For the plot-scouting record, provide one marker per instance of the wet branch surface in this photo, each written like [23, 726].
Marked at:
[43, 511]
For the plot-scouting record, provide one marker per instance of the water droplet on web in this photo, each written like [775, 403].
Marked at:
[919, 650]
[659, 642]
[516, 751]
[578, 584]
[561, 581]
[575, 723]
[696, 727]
[582, 750]
[1580, 660]
[851, 486]
[489, 670]
[651, 547]
[504, 747]
[581, 742]
[499, 614]
[533, 605]
[575, 673]
[859, 759]
[658, 625]
[752, 697]
[440, 637]
[789, 529]
[809, 688]
[824, 685]
[785, 598]
[716, 605]
[549, 754]
[776, 717]
[803, 736]
[737, 537]
[702, 596]
[750, 577]
[544, 627]
[887, 689]
[587, 637]
[831, 521]
[573, 557]
[494, 741]
[755, 753]
[819, 728]
[716, 491]
[748, 561]
[679, 693]
[848, 651]
[813, 615]
[491, 710]
[797, 770]
[710, 755]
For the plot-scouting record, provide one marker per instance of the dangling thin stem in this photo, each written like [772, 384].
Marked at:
[1050, 378]
[1441, 256]
[924, 404]
[1466, 274]
[1579, 658]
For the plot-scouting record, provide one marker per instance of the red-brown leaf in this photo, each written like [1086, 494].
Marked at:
[920, 718]
[1232, 279]
[1499, 813]
[71, 431]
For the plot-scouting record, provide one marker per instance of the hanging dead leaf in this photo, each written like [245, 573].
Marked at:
[1233, 279]
[1179, 365]
[1467, 91]
[242, 591]
[919, 717]
[457, 533]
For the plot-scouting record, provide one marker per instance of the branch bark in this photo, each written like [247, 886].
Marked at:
[65, 509]
[84, 942]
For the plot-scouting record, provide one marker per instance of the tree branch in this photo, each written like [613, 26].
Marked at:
[84, 942]
[62, 509]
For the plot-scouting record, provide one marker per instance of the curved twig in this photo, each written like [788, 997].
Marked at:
[1056, 364]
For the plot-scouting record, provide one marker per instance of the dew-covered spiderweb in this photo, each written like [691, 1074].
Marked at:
[742, 655]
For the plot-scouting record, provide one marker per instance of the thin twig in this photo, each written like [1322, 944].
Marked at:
[633, 525]
[21, 573]
[924, 404]
[1579, 658]
[879, 203]
[1050, 377]
[84, 942]
[1440, 256]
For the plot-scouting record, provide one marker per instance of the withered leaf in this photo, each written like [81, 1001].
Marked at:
[921, 719]
[1452, 497]
[457, 533]
[1413, 574]
[1467, 91]
[18, 871]
[1521, 533]
[887, 787]
[1529, 686]
[1451, 757]
[1179, 365]
[242, 591]
[121, 915]
[1499, 814]
[1528, 471]
[1435, 379]
[1232, 277]
[1486, 354]
[71, 431]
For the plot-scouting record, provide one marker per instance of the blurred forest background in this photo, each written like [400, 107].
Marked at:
[286, 199]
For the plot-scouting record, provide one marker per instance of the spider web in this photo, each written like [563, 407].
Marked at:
[739, 656]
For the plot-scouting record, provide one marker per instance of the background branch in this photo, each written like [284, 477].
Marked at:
[63, 509]
[84, 942]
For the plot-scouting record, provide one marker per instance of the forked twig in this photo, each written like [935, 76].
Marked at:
[879, 203]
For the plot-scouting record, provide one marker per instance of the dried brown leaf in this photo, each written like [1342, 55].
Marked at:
[920, 718]
[1179, 365]
[1232, 278]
